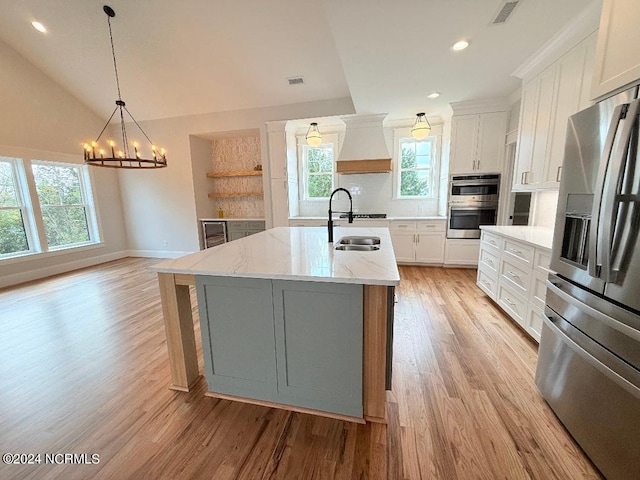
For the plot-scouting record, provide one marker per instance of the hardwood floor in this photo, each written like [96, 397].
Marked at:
[84, 369]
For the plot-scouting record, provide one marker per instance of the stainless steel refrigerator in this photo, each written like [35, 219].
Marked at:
[589, 356]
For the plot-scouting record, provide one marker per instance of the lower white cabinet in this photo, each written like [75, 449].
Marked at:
[514, 274]
[418, 241]
[461, 252]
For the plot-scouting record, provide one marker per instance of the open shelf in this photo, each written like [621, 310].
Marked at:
[236, 194]
[239, 173]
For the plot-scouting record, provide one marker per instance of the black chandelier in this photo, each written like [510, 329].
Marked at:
[120, 156]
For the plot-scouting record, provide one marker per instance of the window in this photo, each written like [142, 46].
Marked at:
[417, 167]
[65, 211]
[318, 171]
[14, 236]
[50, 198]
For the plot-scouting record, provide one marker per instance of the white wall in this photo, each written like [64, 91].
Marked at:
[41, 119]
[160, 206]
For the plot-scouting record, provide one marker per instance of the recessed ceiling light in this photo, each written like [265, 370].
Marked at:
[460, 45]
[433, 95]
[38, 26]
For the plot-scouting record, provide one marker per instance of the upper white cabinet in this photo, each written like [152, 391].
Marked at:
[617, 61]
[477, 142]
[548, 100]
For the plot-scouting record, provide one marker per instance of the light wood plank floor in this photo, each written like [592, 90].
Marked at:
[83, 369]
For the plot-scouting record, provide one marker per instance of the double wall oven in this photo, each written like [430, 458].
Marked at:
[473, 201]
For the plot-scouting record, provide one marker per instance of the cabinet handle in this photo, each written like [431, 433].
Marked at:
[513, 274]
[558, 173]
[509, 302]
[489, 262]
[487, 283]
[417, 238]
[523, 179]
[492, 242]
[517, 252]
[478, 165]
[429, 226]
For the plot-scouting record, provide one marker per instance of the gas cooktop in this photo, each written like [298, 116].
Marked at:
[365, 215]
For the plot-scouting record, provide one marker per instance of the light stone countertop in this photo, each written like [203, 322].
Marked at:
[336, 217]
[294, 253]
[536, 236]
[225, 219]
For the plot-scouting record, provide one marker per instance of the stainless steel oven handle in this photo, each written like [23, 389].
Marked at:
[595, 240]
[606, 319]
[610, 374]
[609, 201]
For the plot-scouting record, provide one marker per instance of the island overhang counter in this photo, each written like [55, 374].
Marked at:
[289, 290]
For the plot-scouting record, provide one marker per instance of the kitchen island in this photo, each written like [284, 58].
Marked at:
[286, 321]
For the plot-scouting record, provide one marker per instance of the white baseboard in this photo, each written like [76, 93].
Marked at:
[30, 275]
[156, 253]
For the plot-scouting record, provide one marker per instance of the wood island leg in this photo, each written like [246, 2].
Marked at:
[178, 325]
[375, 353]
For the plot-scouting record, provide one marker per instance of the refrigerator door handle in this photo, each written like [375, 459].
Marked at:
[592, 312]
[595, 235]
[610, 198]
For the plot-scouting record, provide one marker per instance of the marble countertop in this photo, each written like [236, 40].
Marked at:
[336, 217]
[536, 236]
[225, 219]
[294, 253]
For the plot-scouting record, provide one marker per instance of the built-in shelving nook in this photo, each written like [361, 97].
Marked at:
[234, 176]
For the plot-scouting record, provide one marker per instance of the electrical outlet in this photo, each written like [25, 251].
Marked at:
[165, 243]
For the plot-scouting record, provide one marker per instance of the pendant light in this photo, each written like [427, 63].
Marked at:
[119, 155]
[314, 139]
[421, 128]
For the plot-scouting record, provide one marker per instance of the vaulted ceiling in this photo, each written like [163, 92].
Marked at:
[197, 56]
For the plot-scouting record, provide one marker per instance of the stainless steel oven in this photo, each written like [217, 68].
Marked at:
[473, 201]
[474, 188]
[465, 219]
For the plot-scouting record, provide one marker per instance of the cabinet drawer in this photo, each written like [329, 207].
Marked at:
[236, 226]
[489, 259]
[519, 278]
[533, 324]
[538, 290]
[541, 261]
[519, 251]
[487, 283]
[491, 240]
[403, 226]
[431, 226]
[255, 225]
[512, 303]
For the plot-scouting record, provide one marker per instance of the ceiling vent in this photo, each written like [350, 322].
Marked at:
[505, 11]
[295, 80]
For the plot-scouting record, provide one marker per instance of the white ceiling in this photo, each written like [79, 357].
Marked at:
[198, 56]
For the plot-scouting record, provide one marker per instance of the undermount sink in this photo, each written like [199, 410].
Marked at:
[358, 247]
[358, 240]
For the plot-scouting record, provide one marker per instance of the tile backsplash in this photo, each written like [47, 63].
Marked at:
[372, 193]
[233, 154]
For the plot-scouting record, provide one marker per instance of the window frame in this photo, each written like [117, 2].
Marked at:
[88, 203]
[329, 140]
[24, 205]
[401, 135]
[22, 160]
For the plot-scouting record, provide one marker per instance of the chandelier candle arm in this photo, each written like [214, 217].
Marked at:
[123, 158]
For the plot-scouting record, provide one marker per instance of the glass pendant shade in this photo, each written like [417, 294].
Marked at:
[421, 128]
[314, 139]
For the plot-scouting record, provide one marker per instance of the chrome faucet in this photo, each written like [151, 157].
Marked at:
[350, 212]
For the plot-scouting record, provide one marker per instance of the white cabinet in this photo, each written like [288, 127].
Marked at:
[461, 252]
[418, 241]
[617, 62]
[477, 143]
[514, 274]
[275, 183]
[548, 100]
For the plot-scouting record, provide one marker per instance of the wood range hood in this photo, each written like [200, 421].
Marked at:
[364, 149]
